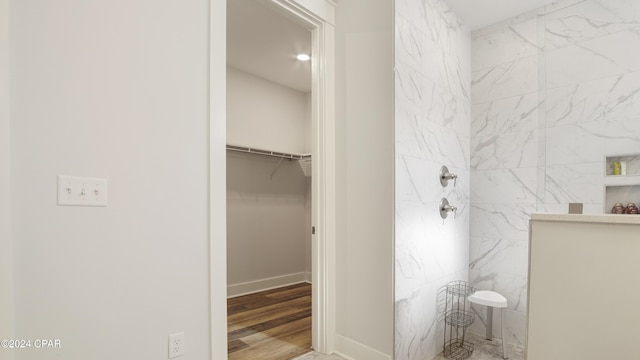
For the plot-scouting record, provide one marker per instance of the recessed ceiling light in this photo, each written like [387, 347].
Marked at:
[303, 57]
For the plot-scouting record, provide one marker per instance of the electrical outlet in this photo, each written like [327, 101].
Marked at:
[176, 345]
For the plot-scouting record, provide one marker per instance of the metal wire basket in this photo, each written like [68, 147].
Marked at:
[457, 349]
[457, 317]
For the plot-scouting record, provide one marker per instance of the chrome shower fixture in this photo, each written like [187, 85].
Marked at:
[445, 176]
[445, 208]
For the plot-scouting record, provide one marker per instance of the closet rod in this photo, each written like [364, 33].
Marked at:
[268, 152]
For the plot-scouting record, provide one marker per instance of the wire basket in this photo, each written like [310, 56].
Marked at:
[460, 288]
[459, 318]
[457, 349]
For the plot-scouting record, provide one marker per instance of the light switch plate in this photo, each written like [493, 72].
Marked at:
[81, 191]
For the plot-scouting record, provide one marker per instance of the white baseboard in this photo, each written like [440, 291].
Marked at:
[266, 284]
[353, 350]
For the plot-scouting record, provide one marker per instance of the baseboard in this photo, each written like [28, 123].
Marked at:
[266, 284]
[353, 350]
[307, 277]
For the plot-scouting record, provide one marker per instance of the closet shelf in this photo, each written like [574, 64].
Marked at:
[249, 150]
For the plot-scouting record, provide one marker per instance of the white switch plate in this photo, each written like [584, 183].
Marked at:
[81, 191]
[176, 345]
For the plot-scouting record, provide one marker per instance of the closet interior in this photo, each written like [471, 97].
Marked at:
[268, 182]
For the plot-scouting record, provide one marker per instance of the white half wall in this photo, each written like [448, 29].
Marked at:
[6, 238]
[266, 115]
[364, 156]
[117, 90]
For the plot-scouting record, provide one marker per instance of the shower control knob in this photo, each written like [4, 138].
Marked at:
[445, 176]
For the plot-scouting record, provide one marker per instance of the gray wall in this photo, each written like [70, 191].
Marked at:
[364, 154]
[268, 217]
[6, 242]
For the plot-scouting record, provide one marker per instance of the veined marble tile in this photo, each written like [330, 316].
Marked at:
[598, 58]
[505, 116]
[588, 142]
[428, 248]
[499, 255]
[419, 321]
[505, 45]
[443, 108]
[417, 180]
[516, 325]
[409, 88]
[590, 19]
[409, 139]
[602, 99]
[493, 220]
[513, 287]
[442, 145]
[409, 43]
[446, 49]
[561, 4]
[564, 208]
[505, 80]
[574, 183]
[573, 144]
[413, 11]
[505, 151]
[504, 186]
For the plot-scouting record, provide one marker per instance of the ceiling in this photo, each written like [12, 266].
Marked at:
[479, 13]
[262, 40]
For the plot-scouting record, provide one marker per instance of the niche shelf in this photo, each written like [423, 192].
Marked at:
[621, 188]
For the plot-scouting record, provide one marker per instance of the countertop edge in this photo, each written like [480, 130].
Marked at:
[586, 218]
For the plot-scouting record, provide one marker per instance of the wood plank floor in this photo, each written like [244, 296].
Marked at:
[271, 325]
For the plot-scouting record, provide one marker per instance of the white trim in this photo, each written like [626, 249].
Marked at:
[350, 349]
[217, 180]
[320, 14]
[251, 287]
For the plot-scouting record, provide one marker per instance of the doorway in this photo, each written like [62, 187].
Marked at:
[320, 131]
[320, 15]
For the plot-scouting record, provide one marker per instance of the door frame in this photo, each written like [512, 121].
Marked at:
[319, 15]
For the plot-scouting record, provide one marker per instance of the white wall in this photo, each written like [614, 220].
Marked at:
[118, 90]
[266, 115]
[567, 95]
[6, 239]
[364, 155]
[266, 220]
[432, 129]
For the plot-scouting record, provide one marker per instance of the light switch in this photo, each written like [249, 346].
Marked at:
[81, 191]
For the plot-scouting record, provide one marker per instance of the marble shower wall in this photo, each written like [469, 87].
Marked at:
[553, 91]
[432, 89]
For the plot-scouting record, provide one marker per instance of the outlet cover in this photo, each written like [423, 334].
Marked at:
[176, 345]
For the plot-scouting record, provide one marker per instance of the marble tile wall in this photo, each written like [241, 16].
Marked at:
[553, 92]
[432, 86]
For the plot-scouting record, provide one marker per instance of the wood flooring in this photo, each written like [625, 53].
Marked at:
[270, 325]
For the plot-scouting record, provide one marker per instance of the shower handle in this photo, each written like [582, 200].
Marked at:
[445, 208]
[445, 176]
